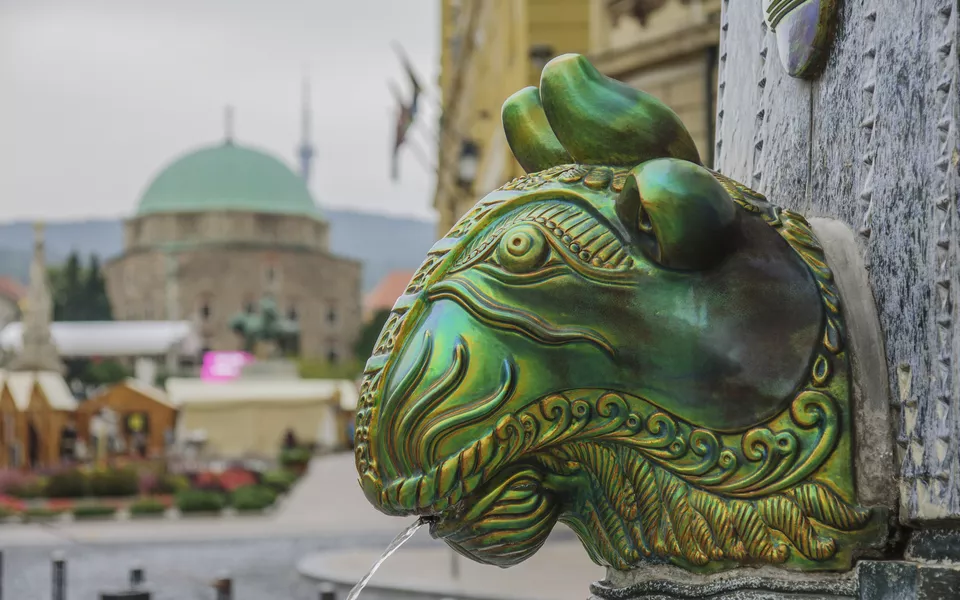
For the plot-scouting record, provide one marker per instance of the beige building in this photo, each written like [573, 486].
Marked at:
[218, 229]
[489, 50]
[250, 417]
[492, 48]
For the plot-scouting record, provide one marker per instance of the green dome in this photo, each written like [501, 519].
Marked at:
[228, 177]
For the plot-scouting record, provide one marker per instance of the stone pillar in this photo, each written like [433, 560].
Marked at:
[872, 143]
[38, 353]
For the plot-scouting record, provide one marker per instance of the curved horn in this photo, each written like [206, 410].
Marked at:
[528, 133]
[599, 120]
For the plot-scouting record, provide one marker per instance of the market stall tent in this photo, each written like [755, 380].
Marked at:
[249, 417]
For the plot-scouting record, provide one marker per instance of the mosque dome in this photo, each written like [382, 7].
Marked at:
[228, 177]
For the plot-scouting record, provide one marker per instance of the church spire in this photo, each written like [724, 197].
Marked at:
[305, 151]
[38, 352]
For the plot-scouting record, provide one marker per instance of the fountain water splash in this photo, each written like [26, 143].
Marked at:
[398, 541]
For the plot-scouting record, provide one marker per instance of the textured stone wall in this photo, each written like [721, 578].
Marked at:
[226, 278]
[873, 142]
[225, 226]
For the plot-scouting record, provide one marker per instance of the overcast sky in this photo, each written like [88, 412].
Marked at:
[97, 95]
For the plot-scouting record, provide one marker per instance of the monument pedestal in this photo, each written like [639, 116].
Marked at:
[270, 368]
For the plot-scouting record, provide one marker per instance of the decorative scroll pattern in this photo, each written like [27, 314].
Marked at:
[595, 178]
[668, 384]
[657, 485]
[580, 233]
[393, 329]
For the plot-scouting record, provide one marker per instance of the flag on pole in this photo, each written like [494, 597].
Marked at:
[406, 110]
[401, 127]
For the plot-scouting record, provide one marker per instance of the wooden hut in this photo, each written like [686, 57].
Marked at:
[37, 413]
[146, 417]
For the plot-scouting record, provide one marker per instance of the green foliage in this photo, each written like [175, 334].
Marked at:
[72, 483]
[280, 480]
[29, 488]
[172, 484]
[253, 497]
[104, 372]
[200, 501]
[147, 506]
[114, 482]
[95, 292]
[298, 457]
[90, 511]
[311, 368]
[41, 513]
[370, 333]
[79, 293]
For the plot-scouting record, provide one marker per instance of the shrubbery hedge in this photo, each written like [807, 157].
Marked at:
[147, 506]
[200, 501]
[295, 457]
[28, 488]
[72, 483]
[280, 480]
[114, 482]
[84, 511]
[41, 512]
[253, 497]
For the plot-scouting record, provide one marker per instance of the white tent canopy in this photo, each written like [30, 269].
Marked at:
[83, 339]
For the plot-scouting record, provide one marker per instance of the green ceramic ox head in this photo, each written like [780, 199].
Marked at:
[622, 340]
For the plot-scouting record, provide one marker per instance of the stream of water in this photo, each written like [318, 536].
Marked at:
[398, 541]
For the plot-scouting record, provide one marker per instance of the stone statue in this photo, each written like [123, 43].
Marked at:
[625, 341]
[266, 333]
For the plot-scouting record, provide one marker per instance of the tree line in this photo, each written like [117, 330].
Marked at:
[79, 293]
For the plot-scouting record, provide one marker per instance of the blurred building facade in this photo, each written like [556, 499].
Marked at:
[220, 228]
[667, 48]
[491, 49]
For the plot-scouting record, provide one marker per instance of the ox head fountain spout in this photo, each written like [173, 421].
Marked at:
[622, 340]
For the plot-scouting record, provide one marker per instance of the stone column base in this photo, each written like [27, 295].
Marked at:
[930, 570]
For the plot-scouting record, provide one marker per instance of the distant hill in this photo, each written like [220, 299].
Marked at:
[381, 243]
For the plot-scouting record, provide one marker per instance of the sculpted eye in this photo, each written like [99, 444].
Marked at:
[522, 249]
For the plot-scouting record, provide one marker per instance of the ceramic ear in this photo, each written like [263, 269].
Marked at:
[680, 215]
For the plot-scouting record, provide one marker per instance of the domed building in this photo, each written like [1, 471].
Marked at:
[218, 229]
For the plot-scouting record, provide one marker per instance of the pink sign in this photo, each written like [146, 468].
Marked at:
[224, 366]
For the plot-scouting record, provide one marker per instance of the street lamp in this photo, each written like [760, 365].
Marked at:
[469, 164]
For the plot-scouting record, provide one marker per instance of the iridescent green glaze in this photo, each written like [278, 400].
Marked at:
[805, 30]
[525, 123]
[642, 349]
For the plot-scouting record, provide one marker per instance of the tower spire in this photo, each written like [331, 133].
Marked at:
[228, 124]
[38, 352]
[305, 151]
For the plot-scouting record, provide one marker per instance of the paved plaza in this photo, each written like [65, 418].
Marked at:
[325, 522]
